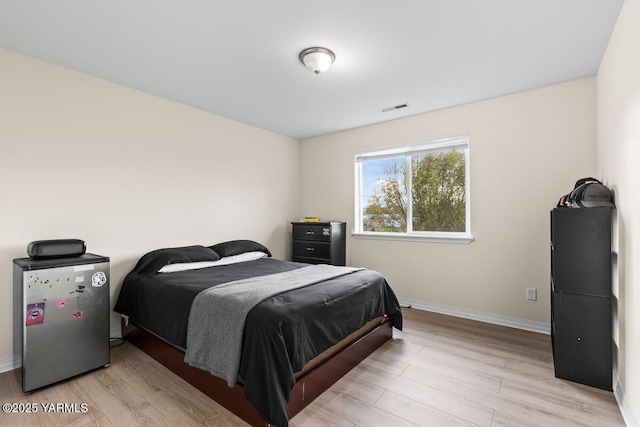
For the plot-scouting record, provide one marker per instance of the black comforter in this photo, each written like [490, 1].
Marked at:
[281, 334]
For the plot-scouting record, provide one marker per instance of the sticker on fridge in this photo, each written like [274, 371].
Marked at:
[98, 279]
[35, 314]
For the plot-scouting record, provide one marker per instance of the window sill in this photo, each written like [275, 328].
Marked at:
[464, 239]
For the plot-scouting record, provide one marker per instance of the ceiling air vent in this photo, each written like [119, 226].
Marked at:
[395, 107]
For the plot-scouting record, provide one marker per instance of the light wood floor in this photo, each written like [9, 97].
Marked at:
[441, 371]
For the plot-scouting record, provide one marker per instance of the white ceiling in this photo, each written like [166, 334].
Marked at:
[239, 59]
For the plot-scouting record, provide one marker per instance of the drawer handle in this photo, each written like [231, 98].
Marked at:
[310, 233]
[311, 249]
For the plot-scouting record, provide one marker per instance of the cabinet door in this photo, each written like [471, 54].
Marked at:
[582, 339]
[581, 250]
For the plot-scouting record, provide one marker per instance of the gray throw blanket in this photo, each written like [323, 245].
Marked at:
[218, 315]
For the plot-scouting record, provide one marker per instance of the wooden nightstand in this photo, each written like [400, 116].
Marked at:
[318, 242]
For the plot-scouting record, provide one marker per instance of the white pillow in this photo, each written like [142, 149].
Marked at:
[184, 266]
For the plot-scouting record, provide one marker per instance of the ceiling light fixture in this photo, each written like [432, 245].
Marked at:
[317, 59]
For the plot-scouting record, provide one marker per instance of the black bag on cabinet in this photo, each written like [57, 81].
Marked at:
[587, 193]
[591, 195]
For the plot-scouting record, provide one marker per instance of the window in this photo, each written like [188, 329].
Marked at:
[417, 192]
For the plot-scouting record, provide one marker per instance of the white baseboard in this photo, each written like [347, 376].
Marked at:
[8, 363]
[625, 407]
[496, 319]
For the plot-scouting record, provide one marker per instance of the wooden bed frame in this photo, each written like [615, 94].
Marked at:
[317, 376]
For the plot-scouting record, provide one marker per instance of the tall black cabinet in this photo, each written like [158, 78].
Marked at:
[581, 323]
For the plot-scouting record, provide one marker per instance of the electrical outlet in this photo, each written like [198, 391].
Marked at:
[532, 294]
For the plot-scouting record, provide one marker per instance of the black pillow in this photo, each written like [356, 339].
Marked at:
[237, 247]
[153, 261]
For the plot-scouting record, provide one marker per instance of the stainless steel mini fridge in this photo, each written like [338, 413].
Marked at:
[61, 317]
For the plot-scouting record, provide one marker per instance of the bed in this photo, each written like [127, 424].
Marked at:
[303, 325]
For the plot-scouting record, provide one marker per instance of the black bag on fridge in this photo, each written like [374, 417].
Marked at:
[61, 248]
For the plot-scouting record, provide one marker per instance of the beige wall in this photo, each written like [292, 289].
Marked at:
[618, 142]
[526, 151]
[128, 173]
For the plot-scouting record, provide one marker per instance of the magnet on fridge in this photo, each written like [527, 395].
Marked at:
[35, 314]
[77, 314]
[62, 303]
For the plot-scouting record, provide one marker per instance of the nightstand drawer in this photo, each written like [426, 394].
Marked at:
[312, 232]
[311, 249]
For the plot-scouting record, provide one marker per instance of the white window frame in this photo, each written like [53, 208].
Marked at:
[408, 150]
